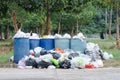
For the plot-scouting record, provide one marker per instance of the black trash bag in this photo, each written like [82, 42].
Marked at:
[65, 64]
[44, 64]
[56, 55]
[31, 62]
[72, 55]
[43, 52]
[101, 54]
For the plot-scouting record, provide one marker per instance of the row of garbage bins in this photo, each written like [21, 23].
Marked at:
[22, 46]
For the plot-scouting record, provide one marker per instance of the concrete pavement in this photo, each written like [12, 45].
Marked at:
[60, 74]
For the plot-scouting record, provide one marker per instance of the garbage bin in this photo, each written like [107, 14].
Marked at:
[62, 43]
[21, 48]
[34, 43]
[78, 45]
[47, 44]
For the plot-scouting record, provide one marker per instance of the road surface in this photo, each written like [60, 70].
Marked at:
[60, 74]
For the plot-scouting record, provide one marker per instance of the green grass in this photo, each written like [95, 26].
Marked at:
[5, 57]
[5, 42]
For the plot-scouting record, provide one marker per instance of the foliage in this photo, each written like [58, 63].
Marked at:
[87, 15]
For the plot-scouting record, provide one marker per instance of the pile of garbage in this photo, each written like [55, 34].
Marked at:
[51, 59]
[40, 58]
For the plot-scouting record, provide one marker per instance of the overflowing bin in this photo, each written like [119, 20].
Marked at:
[34, 43]
[62, 43]
[47, 43]
[21, 48]
[78, 44]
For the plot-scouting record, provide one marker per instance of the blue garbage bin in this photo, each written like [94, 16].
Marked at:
[62, 43]
[21, 48]
[34, 43]
[47, 44]
[78, 45]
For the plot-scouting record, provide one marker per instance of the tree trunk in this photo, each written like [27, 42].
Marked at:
[106, 24]
[73, 31]
[109, 35]
[6, 33]
[117, 26]
[77, 27]
[117, 23]
[42, 29]
[59, 25]
[48, 19]
[0, 33]
[13, 15]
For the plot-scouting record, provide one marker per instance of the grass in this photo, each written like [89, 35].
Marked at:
[5, 42]
[4, 58]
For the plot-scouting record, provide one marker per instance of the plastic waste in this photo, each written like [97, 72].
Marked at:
[37, 50]
[33, 36]
[93, 51]
[32, 52]
[65, 64]
[31, 62]
[80, 62]
[81, 36]
[111, 56]
[46, 57]
[66, 35]
[51, 67]
[44, 64]
[43, 52]
[55, 62]
[56, 55]
[21, 63]
[106, 55]
[72, 55]
[20, 34]
[48, 36]
[89, 66]
[98, 63]
[57, 36]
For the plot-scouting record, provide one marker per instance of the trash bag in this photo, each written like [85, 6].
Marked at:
[98, 63]
[21, 63]
[57, 36]
[44, 64]
[55, 62]
[20, 34]
[37, 50]
[56, 55]
[65, 64]
[31, 62]
[51, 67]
[46, 57]
[77, 62]
[43, 52]
[66, 35]
[106, 56]
[72, 55]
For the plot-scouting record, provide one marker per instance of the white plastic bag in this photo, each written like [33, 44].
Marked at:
[21, 64]
[37, 50]
[57, 36]
[66, 35]
[34, 36]
[106, 55]
[20, 34]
